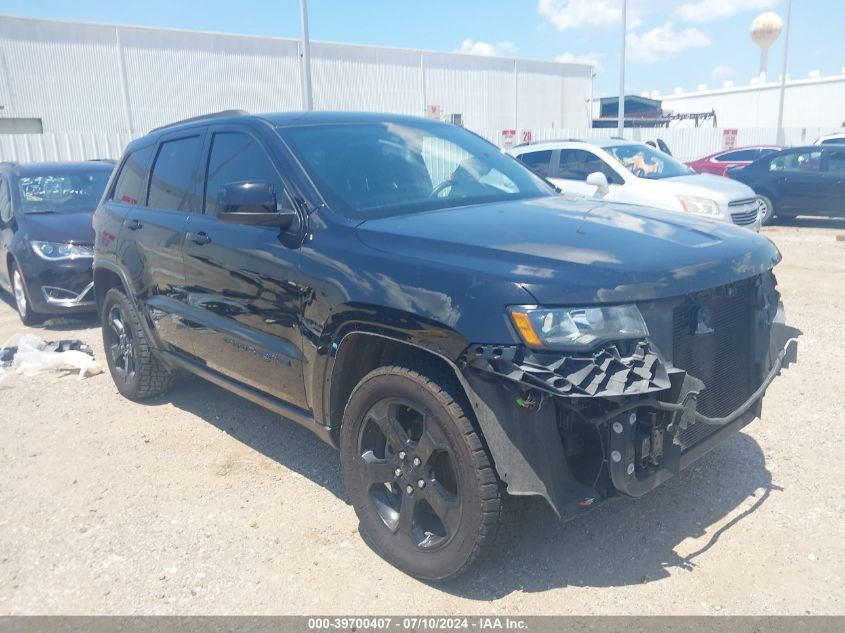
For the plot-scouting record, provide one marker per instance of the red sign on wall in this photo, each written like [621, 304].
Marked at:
[729, 138]
[527, 136]
[508, 138]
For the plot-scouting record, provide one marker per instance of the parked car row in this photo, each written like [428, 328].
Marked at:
[467, 337]
[622, 171]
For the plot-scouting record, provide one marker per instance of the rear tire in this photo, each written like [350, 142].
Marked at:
[420, 479]
[22, 301]
[767, 212]
[136, 372]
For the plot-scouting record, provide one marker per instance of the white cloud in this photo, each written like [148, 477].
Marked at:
[663, 42]
[722, 71]
[706, 10]
[472, 47]
[571, 14]
[587, 58]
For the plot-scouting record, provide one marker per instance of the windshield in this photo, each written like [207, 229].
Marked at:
[647, 162]
[377, 169]
[62, 192]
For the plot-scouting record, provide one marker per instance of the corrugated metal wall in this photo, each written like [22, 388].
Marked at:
[109, 79]
[816, 102]
[686, 143]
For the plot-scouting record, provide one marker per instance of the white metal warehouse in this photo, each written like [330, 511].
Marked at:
[62, 77]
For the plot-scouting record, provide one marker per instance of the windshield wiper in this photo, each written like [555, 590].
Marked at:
[40, 211]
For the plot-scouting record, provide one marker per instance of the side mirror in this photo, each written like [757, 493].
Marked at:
[252, 203]
[599, 180]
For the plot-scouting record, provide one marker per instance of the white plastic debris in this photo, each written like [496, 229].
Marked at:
[32, 358]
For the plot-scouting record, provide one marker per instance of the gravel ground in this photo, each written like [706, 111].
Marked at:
[204, 503]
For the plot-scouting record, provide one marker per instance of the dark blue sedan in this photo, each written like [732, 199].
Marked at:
[798, 181]
[46, 238]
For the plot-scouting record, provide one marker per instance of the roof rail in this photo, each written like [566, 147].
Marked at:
[551, 140]
[210, 115]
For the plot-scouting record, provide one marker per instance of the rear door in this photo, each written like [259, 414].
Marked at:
[245, 302]
[803, 187]
[153, 235]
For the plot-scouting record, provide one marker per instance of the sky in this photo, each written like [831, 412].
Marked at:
[671, 43]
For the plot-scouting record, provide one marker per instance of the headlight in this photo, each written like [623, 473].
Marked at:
[700, 206]
[57, 250]
[577, 327]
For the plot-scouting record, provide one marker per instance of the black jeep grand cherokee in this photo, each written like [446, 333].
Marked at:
[465, 336]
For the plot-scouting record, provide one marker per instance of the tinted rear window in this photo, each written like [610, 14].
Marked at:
[539, 162]
[172, 182]
[129, 188]
[738, 156]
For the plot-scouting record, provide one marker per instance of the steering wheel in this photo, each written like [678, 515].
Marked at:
[441, 188]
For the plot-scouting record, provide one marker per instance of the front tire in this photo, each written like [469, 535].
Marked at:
[22, 302]
[136, 372]
[420, 479]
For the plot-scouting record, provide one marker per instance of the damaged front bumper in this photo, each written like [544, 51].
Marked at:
[645, 417]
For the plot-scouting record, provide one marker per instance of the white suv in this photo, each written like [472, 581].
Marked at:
[635, 173]
[830, 139]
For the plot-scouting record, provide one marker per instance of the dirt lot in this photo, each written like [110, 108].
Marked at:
[204, 503]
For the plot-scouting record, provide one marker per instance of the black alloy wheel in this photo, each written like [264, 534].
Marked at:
[120, 344]
[419, 476]
[136, 372]
[411, 474]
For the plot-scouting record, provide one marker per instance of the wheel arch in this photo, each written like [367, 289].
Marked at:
[107, 277]
[358, 352]
[524, 446]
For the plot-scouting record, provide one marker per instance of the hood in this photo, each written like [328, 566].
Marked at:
[569, 252]
[65, 226]
[722, 190]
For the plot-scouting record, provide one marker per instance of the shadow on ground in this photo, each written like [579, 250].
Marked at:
[810, 222]
[60, 323]
[626, 542]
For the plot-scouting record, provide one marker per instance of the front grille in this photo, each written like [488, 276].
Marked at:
[712, 340]
[744, 212]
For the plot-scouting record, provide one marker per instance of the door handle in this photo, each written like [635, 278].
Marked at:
[134, 225]
[199, 238]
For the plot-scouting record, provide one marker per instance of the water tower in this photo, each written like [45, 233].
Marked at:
[765, 30]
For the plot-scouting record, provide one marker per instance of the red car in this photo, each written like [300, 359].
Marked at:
[719, 162]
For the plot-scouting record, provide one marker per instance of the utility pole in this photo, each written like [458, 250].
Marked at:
[620, 131]
[781, 134]
[307, 100]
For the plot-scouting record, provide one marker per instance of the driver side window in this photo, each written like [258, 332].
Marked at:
[577, 164]
[237, 157]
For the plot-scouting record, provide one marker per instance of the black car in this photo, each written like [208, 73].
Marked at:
[798, 181]
[465, 336]
[46, 238]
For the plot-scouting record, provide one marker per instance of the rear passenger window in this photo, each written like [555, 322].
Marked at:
[172, 181]
[539, 162]
[129, 187]
[236, 157]
[836, 162]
